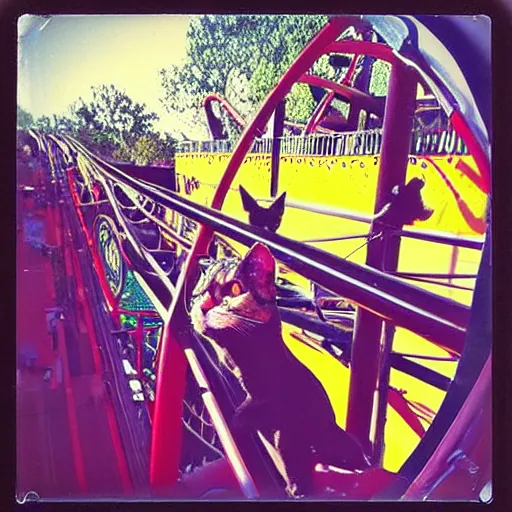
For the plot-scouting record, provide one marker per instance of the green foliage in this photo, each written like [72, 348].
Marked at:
[113, 113]
[44, 124]
[380, 78]
[123, 153]
[24, 119]
[112, 125]
[97, 141]
[146, 150]
[239, 57]
[300, 103]
[167, 146]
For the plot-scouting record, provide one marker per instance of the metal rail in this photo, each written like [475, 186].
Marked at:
[436, 318]
[469, 242]
[111, 175]
[355, 281]
[350, 143]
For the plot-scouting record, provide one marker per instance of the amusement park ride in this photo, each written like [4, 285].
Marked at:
[391, 316]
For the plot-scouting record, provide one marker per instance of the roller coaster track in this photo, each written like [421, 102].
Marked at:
[442, 321]
[138, 205]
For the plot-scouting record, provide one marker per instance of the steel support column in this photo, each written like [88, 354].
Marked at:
[366, 364]
[276, 147]
[167, 413]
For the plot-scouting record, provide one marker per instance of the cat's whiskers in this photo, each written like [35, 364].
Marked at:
[241, 329]
[243, 318]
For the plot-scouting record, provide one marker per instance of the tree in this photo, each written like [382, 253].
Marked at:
[44, 124]
[113, 113]
[24, 119]
[55, 123]
[147, 149]
[241, 58]
[109, 125]
[112, 125]
[123, 153]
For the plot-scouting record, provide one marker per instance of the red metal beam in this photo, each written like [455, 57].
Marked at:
[319, 112]
[326, 101]
[167, 413]
[378, 50]
[471, 433]
[354, 95]
[232, 112]
[112, 301]
[109, 410]
[400, 405]
[358, 48]
[167, 428]
[347, 79]
[476, 150]
[365, 363]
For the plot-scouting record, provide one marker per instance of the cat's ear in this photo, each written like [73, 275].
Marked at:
[277, 207]
[259, 271]
[248, 201]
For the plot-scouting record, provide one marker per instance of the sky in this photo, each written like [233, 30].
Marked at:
[60, 58]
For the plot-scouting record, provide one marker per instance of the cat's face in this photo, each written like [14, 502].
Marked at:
[265, 218]
[235, 297]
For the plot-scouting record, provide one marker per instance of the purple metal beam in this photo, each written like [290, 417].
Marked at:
[365, 362]
[468, 241]
[279, 116]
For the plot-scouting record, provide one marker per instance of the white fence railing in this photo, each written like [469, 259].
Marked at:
[366, 142]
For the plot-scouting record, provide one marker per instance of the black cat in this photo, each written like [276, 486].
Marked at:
[405, 206]
[266, 218]
[234, 307]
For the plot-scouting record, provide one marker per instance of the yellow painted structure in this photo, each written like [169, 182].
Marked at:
[350, 183]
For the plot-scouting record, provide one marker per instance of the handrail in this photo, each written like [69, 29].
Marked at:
[314, 265]
[467, 241]
[417, 372]
[438, 319]
[424, 142]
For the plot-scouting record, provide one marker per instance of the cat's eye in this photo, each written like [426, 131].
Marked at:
[236, 289]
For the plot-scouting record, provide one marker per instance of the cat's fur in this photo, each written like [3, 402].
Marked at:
[266, 218]
[235, 308]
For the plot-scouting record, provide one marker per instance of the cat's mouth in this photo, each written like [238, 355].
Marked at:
[219, 323]
[239, 317]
